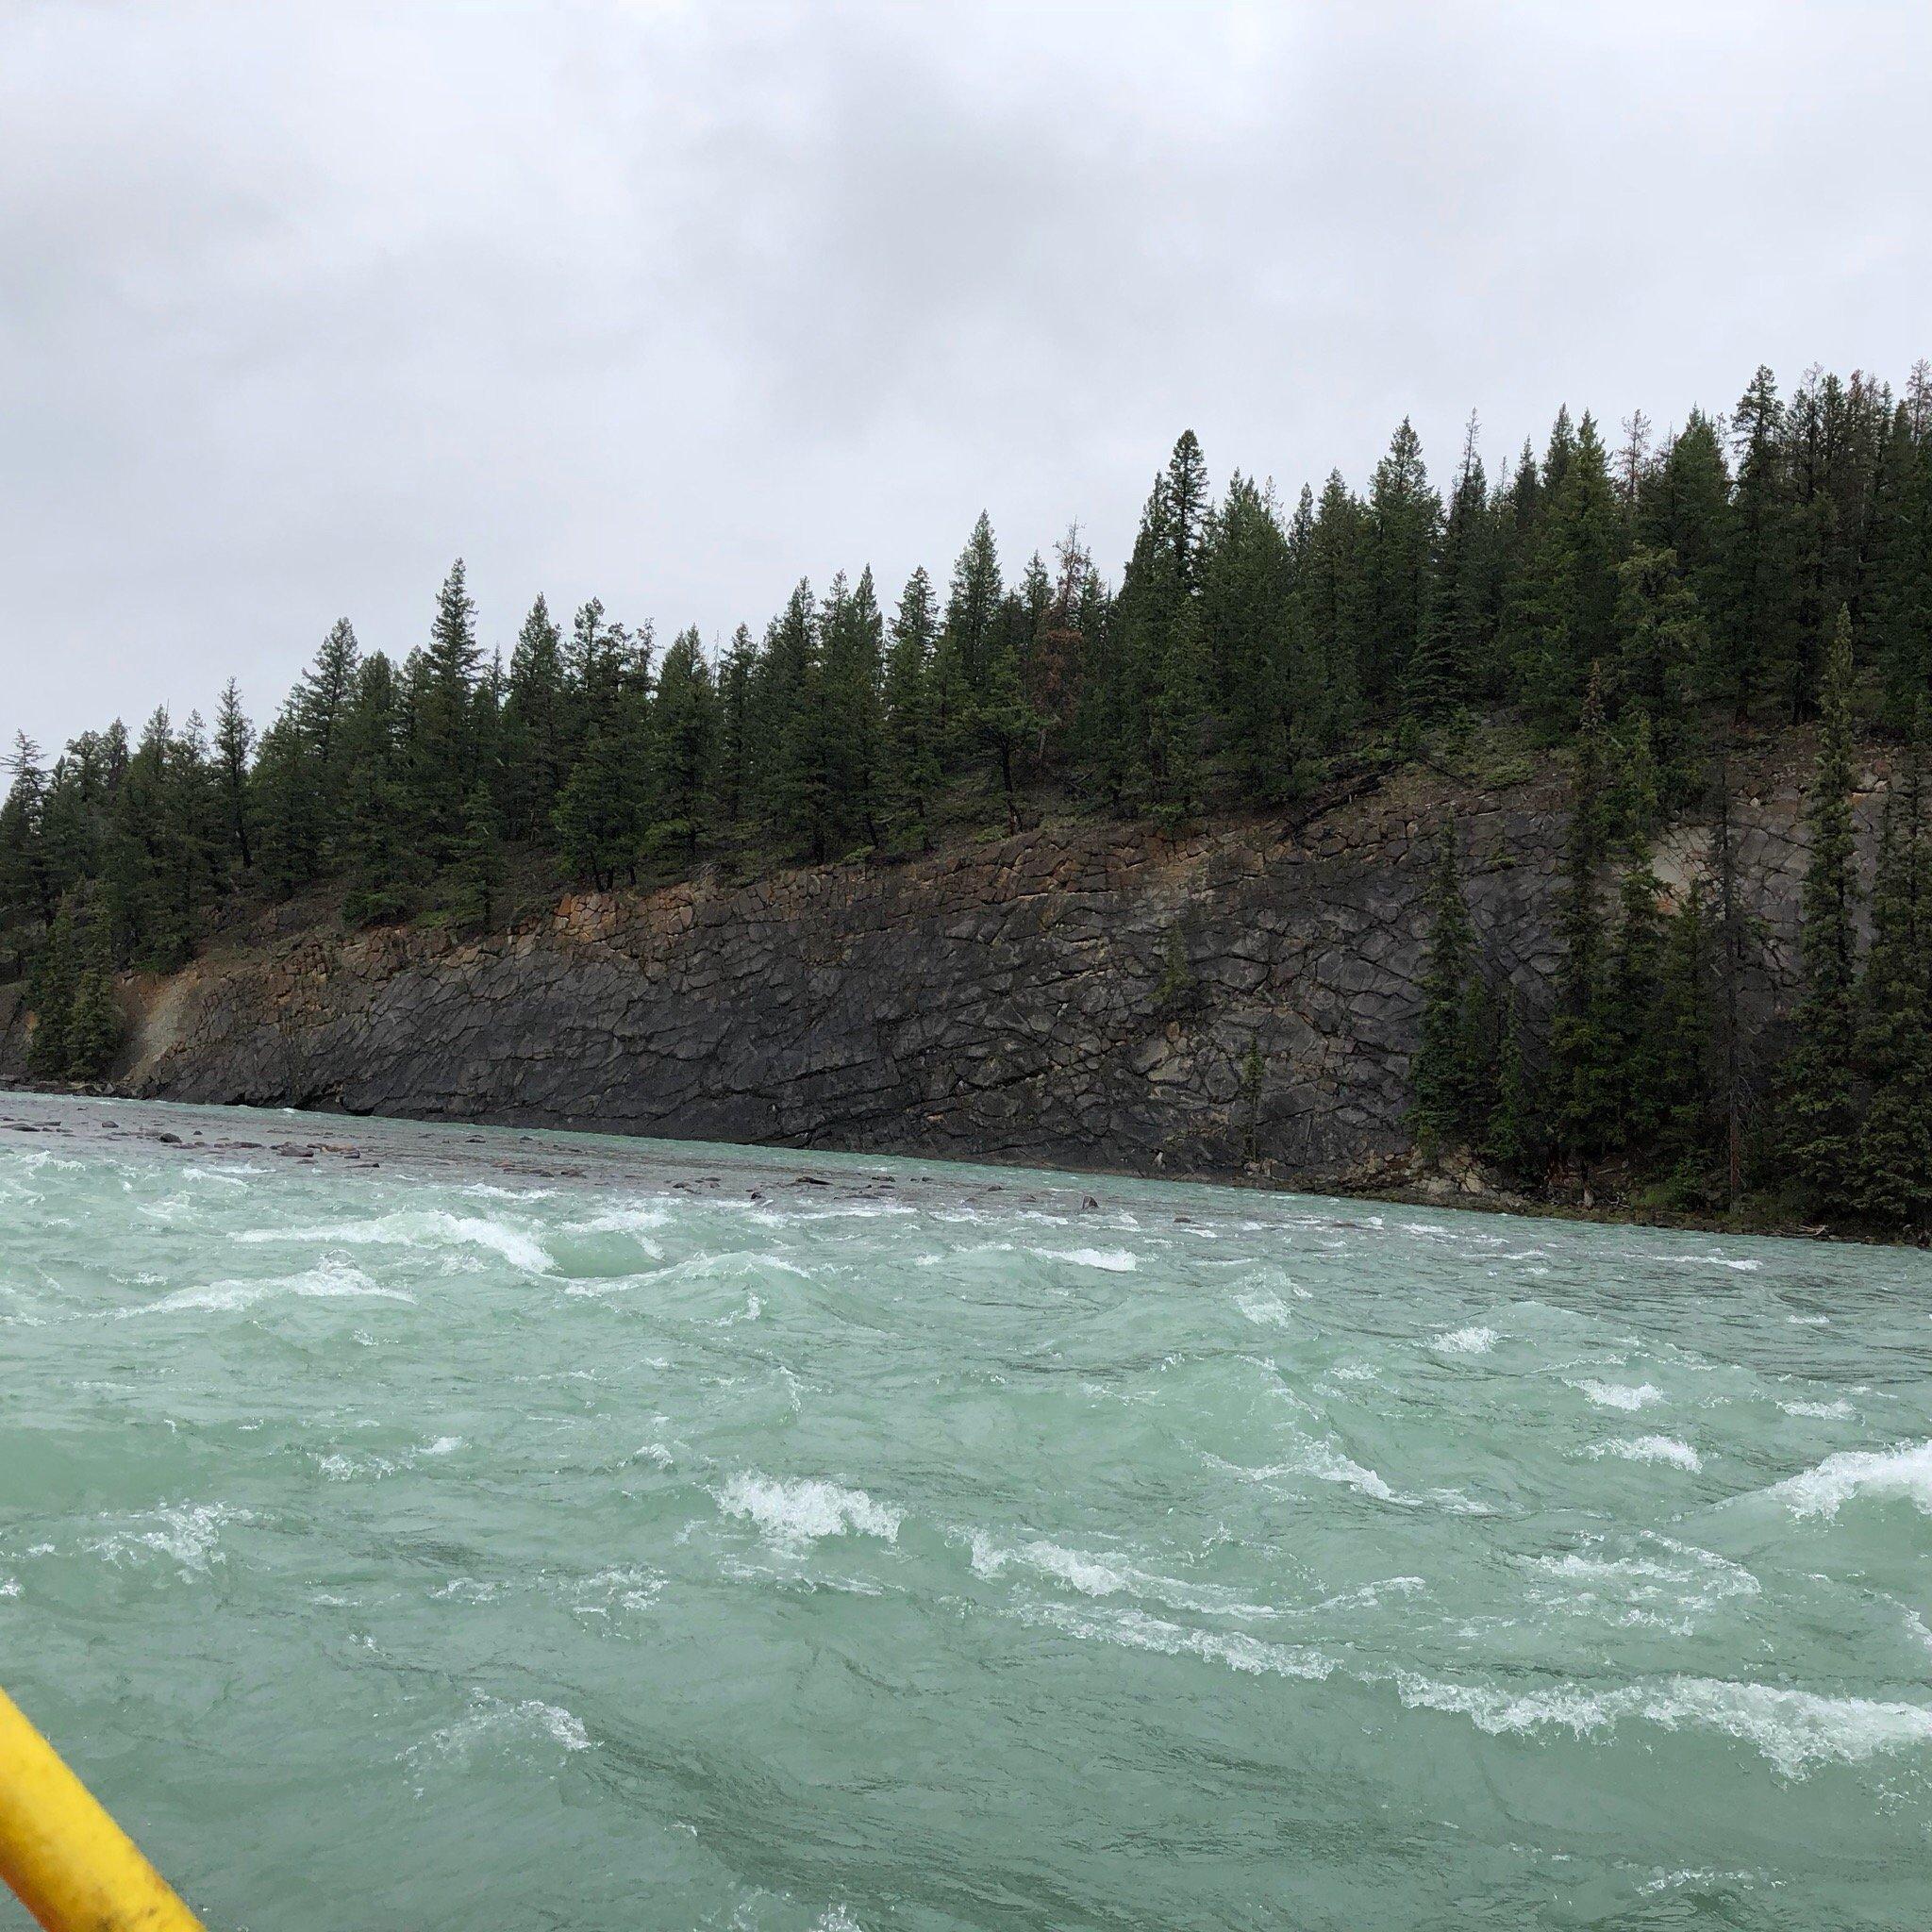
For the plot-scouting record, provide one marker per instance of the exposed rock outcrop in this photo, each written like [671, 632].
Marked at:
[1093, 994]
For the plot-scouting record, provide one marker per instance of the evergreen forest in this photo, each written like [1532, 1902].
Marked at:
[1636, 610]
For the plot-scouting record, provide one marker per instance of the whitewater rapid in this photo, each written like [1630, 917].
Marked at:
[618, 1535]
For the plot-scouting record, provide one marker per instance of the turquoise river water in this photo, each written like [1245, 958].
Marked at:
[417, 1527]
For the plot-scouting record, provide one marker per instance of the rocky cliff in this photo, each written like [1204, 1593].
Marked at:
[1240, 998]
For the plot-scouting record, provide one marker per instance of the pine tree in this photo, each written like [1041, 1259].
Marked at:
[441, 739]
[51, 993]
[1005, 719]
[1441, 1077]
[852, 629]
[683, 744]
[1684, 506]
[1582, 1051]
[972, 609]
[1634, 1049]
[27, 886]
[287, 836]
[1633, 808]
[1901, 588]
[1820, 1104]
[910, 767]
[381, 861]
[786, 719]
[94, 1025]
[535, 725]
[595, 816]
[1662, 647]
[1439, 677]
[1894, 1150]
[479, 870]
[1566, 606]
[1333, 582]
[1176, 707]
[1245, 608]
[1156, 660]
[1060, 660]
[1728, 951]
[1758, 644]
[736, 775]
[1399, 575]
[1513, 1136]
[1676, 1053]
[234, 744]
[322, 698]
[1188, 508]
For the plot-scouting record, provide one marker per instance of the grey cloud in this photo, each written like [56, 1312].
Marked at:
[672, 303]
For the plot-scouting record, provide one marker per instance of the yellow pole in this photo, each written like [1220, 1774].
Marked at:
[72, 1867]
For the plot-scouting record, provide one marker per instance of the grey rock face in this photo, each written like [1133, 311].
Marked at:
[1015, 999]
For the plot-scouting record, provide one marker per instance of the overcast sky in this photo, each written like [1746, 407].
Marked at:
[674, 304]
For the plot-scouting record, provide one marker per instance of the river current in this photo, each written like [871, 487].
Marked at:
[430, 1527]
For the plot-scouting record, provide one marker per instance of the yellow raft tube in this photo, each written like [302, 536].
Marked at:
[72, 1867]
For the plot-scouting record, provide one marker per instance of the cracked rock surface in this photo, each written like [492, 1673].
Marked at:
[1016, 1000]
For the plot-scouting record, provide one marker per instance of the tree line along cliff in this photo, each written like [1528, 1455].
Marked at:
[1634, 621]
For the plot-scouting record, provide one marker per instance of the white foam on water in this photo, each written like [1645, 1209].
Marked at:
[629, 1588]
[1704, 1878]
[632, 1220]
[1135, 1631]
[488, 1191]
[1102, 1576]
[1329, 1462]
[10, 1586]
[1838, 1410]
[734, 1262]
[837, 1210]
[330, 1280]
[1669, 1590]
[1109, 1260]
[496, 1718]
[1500, 1711]
[188, 1534]
[597, 1286]
[1266, 1310]
[426, 1227]
[1089, 1575]
[1664, 1449]
[1904, 1472]
[793, 1514]
[950, 1257]
[443, 1445]
[468, 1590]
[1793, 1729]
[1333, 1465]
[1471, 1340]
[1367, 1596]
[1810, 1321]
[1618, 1395]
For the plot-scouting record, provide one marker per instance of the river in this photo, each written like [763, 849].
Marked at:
[425, 1526]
